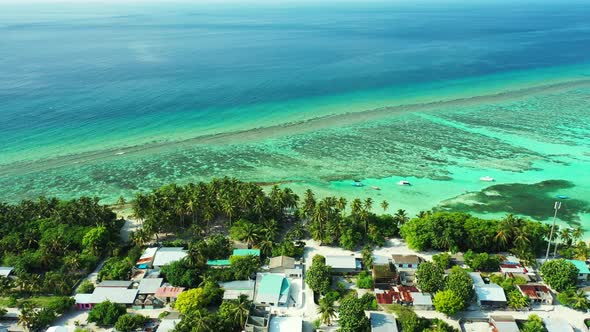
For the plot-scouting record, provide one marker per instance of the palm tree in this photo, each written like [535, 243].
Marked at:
[265, 247]
[579, 300]
[384, 206]
[326, 310]
[241, 311]
[506, 230]
[401, 217]
[355, 207]
[201, 321]
[577, 234]
[521, 237]
[309, 203]
[270, 229]
[251, 234]
[341, 205]
[368, 204]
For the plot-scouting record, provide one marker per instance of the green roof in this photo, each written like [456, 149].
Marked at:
[285, 287]
[218, 262]
[581, 265]
[271, 284]
[246, 252]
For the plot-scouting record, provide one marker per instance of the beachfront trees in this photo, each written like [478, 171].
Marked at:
[559, 274]
[448, 302]
[384, 205]
[430, 277]
[106, 313]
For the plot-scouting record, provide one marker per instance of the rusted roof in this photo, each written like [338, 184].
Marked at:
[169, 291]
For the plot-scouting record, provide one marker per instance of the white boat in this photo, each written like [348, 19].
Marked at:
[375, 187]
[487, 178]
[404, 183]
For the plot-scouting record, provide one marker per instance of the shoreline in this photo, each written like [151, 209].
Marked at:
[281, 130]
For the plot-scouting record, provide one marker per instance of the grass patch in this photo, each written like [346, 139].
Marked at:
[38, 301]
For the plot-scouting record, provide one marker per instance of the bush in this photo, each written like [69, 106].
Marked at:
[443, 260]
[364, 280]
[61, 304]
[86, 287]
[448, 302]
[130, 323]
[106, 313]
[482, 262]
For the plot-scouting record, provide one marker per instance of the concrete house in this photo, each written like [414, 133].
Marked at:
[272, 289]
[147, 258]
[285, 324]
[281, 263]
[233, 289]
[537, 293]
[503, 324]
[490, 296]
[384, 276]
[6, 271]
[382, 322]
[406, 261]
[344, 264]
[168, 255]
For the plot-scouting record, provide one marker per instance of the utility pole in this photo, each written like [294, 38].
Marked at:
[556, 207]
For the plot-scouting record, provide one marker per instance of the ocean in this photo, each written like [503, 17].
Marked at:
[107, 99]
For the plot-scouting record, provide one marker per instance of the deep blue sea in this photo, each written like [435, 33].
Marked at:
[81, 76]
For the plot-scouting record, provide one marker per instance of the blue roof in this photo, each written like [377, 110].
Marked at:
[246, 252]
[581, 265]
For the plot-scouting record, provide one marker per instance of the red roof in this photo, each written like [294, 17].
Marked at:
[532, 290]
[169, 291]
[397, 294]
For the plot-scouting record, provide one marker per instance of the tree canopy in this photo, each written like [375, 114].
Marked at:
[106, 313]
[448, 302]
[319, 275]
[430, 277]
[559, 274]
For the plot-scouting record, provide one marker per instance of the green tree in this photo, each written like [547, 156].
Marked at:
[384, 206]
[115, 268]
[516, 300]
[559, 274]
[196, 299]
[533, 324]
[326, 310]
[130, 322]
[430, 277]
[86, 287]
[180, 274]
[448, 302]
[364, 280]
[95, 239]
[35, 319]
[460, 283]
[352, 316]
[409, 321]
[319, 275]
[443, 260]
[575, 299]
[236, 312]
[243, 267]
[106, 313]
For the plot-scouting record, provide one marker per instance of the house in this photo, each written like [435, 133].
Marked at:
[384, 276]
[398, 294]
[285, 324]
[167, 325]
[246, 252]
[382, 322]
[149, 285]
[6, 271]
[57, 329]
[257, 321]
[422, 301]
[233, 289]
[147, 258]
[168, 293]
[168, 255]
[536, 292]
[343, 264]
[272, 289]
[407, 277]
[503, 324]
[406, 261]
[294, 273]
[119, 295]
[583, 271]
[490, 296]
[281, 263]
[147, 301]
[556, 324]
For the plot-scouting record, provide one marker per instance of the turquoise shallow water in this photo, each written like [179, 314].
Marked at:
[114, 99]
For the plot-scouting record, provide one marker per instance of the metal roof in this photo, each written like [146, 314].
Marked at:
[282, 261]
[490, 292]
[504, 323]
[150, 285]
[246, 252]
[163, 292]
[115, 283]
[167, 325]
[273, 288]
[238, 285]
[115, 295]
[218, 262]
[147, 256]
[421, 298]
[341, 262]
[476, 278]
[169, 255]
[382, 322]
[581, 265]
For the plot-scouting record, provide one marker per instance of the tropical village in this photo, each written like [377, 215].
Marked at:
[234, 256]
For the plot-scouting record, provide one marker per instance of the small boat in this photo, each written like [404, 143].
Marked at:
[404, 183]
[562, 196]
[487, 178]
[375, 187]
[357, 184]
